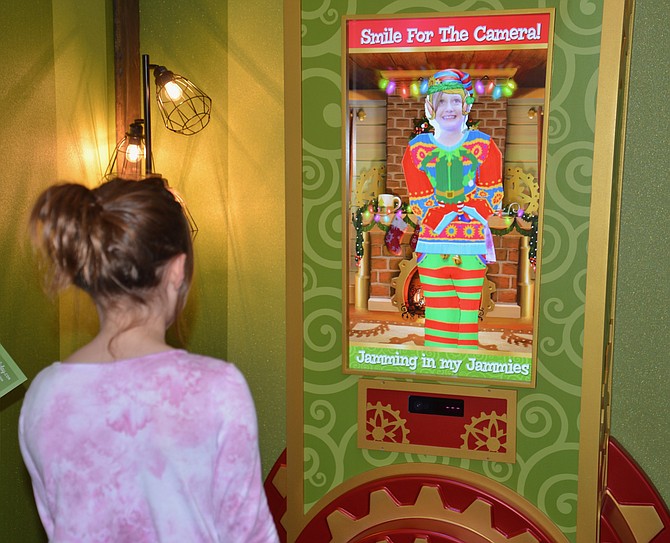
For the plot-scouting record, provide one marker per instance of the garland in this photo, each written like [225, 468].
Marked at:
[365, 218]
[531, 232]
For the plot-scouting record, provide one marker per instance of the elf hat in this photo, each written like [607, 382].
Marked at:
[451, 79]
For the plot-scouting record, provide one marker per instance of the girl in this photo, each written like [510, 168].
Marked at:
[128, 439]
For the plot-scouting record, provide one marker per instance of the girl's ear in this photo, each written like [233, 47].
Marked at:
[176, 271]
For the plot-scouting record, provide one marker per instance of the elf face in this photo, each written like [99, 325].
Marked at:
[449, 112]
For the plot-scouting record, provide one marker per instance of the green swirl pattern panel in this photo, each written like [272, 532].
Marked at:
[548, 416]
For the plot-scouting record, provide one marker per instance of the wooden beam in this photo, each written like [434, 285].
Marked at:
[492, 73]
[127, 79]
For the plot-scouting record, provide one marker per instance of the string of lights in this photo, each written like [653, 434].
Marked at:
[495, 87]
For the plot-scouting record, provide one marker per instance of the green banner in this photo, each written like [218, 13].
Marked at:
[10, 374]
[508, 367]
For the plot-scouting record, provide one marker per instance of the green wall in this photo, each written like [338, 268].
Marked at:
[55, 122]
[232, 178]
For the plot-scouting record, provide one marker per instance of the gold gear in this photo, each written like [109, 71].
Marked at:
[475, 522]
[385, 422]
[489, 432]
[522, 188]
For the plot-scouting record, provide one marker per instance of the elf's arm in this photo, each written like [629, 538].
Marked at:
[488, 194]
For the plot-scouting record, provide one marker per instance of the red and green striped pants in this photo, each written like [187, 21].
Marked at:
[452, 294]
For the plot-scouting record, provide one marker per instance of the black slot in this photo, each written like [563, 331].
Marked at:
[430, 405]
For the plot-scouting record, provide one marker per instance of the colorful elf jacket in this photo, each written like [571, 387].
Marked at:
[453, 191]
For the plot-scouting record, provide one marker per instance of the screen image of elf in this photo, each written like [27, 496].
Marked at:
[454, 181]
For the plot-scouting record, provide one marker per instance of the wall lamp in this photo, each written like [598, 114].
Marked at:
[129, 156]
[184, 108]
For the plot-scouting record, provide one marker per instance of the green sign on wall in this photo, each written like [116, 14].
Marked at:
[10, 374]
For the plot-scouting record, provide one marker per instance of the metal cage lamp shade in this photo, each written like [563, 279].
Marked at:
[185, 110]
[184, 107]
[128, 160]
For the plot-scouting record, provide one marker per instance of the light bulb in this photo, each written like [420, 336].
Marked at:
[173, 90]
[134, 152]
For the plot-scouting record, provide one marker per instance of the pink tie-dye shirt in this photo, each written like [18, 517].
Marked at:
[162, 448]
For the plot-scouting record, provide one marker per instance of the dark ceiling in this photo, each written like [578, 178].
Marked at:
[531, 64]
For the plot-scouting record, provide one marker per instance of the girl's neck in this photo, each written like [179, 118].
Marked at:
[122, 338]
[449, 139]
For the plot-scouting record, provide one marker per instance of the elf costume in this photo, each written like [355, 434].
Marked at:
[452, 192]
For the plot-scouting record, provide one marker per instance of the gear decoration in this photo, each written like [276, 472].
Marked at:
[385, 424]
[488, 432]
[408, 295]
[523, 188]
[475, 522]
[521, 208]
[631, 508]
[370, 183]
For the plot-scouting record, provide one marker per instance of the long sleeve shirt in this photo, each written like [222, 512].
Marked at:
[162, 448]
[453, 191]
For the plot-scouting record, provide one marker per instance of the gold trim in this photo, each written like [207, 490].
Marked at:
[629, 16]
[596, 319]
[532, 297]
[540, 179]
[294, 258]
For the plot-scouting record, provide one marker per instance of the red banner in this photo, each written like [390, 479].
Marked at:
[527, 29]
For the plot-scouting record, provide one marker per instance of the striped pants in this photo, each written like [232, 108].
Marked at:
[452, 294]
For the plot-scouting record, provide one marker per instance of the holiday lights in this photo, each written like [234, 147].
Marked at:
[496, 87]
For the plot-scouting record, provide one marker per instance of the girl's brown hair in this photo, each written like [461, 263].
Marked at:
[112, 241]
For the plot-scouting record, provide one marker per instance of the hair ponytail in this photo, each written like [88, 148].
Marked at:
[59, 222]
[113, 240]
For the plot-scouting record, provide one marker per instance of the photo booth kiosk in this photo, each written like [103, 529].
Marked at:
[425, 405]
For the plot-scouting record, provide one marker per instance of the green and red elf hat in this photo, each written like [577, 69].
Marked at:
[449, 80]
